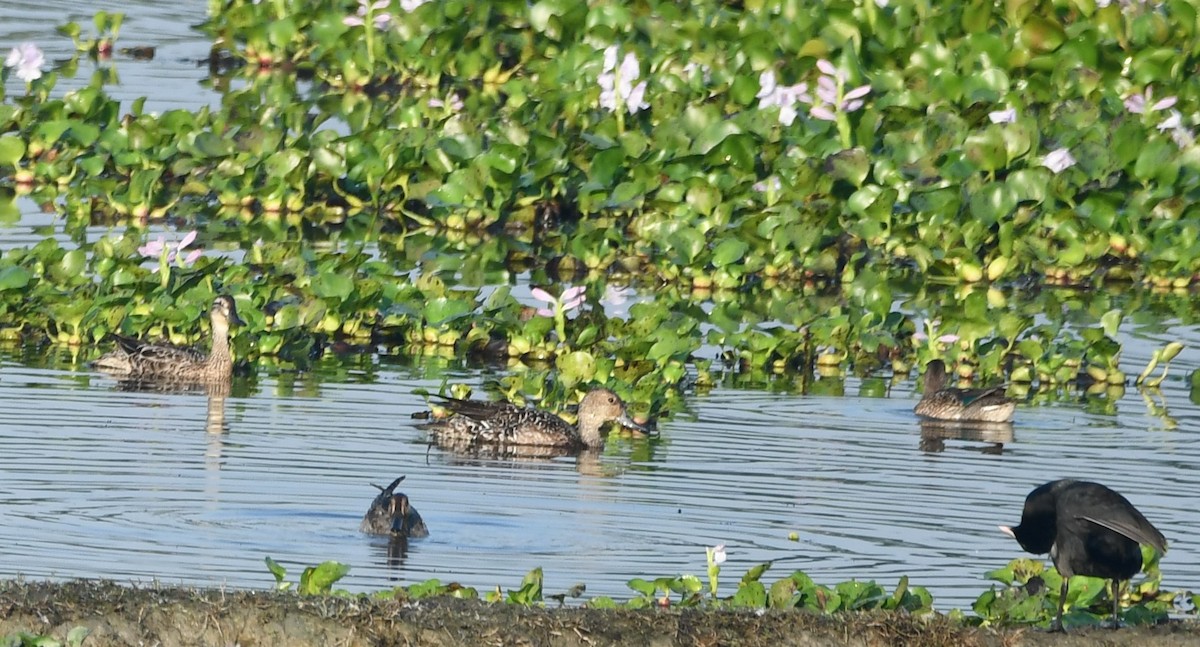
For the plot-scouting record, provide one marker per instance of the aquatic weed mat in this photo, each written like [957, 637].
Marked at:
[118, 615]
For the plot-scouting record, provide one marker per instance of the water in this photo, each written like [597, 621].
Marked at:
[186, 488]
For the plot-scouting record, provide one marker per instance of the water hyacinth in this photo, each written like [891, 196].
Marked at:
[831, 91]
[1137, 103]
[380, 18]
[1058, 160]
[1008, 116]
[171, 253]
[785, 97]
[1173, 124]
[27, 59]
[619, 89]
[411, 5]
[558, 308]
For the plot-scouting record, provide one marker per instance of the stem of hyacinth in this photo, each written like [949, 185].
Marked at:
[369, 28]
[843, 126]
[164, 266]
[560, 323]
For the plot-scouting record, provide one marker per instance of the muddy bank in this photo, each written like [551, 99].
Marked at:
[122, 615]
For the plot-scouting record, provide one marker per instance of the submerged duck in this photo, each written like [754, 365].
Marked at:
[503, 423]
[135, 359]
[391, 514]
[941, 402]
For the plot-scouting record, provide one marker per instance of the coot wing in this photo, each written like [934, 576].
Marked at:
[1134, 526]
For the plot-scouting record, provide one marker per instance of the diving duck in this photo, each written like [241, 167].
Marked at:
[391, 514]
[503, 423]
[941, 402]
[136, 360]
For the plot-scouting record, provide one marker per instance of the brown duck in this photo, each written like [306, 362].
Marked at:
[392, 514]
[941, 402]
[501, 423]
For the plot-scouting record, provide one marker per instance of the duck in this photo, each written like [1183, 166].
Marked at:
[1088, 529]
[138, 360]
[392, 514]
[478, 422]
[942, 402]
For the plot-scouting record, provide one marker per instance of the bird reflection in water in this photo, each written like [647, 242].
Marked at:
[935, 433]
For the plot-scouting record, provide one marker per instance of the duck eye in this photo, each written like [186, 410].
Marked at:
[612, 399]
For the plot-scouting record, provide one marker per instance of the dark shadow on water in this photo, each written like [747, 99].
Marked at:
[935, 433]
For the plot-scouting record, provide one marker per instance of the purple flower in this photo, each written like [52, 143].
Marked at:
[617, 84]
[832, 97]
[1058, 160]
[1136, 103]
[771, 94]
[1008, 116]
[452, 102]
[28, 59]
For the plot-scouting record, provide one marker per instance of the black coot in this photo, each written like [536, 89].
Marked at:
[1088, 529]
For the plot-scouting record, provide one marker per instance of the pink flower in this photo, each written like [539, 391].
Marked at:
[832, 97]
[156, 249]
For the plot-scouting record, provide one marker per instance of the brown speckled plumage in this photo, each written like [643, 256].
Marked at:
[502, 423]
[137, 360]
[941, 402]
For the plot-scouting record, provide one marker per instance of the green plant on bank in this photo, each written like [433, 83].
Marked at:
[1029, 596]
[1031, 591]
[438, 150]
[75, 638]
[315, 580]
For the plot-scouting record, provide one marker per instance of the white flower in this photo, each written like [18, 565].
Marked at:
[1058, 160]
[28, 59]
[411, 5]
[718, 554]
[1003, 116]
[618, 86]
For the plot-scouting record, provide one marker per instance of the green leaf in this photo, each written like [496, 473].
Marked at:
[730, 250]
[14, 278]
[276, 569]
[329, 285]
[12, 149]
[319, 580]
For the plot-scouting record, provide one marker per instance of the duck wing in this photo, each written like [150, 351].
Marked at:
[478, 409]
[991, 395]
[146, 353]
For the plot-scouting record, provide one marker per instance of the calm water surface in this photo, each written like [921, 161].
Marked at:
[196, 489]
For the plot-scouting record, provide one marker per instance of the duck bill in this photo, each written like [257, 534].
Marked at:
[1008, 531]
[627, 422]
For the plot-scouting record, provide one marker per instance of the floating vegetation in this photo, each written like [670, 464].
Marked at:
[778, 190]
